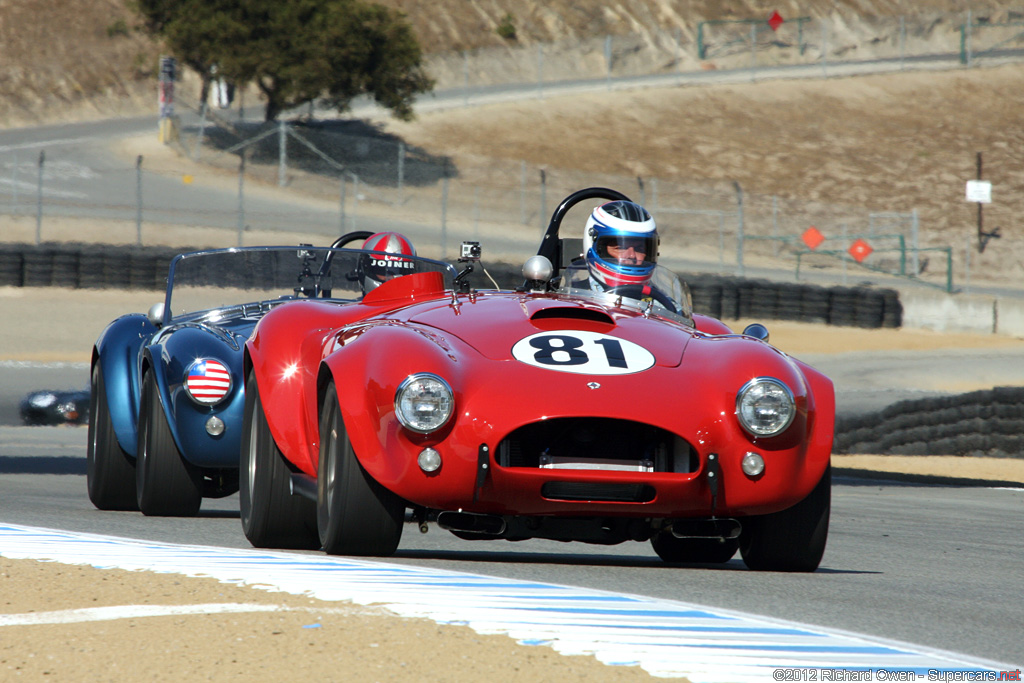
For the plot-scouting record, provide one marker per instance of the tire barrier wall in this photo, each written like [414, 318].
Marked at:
[980, 423]
[78, 265]
[84, 266]
[734, 298]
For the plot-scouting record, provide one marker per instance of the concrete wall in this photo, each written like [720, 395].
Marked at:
[963, 313]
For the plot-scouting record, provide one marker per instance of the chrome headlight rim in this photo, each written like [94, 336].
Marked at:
[753, 429]
[211, 401]
[443, 417]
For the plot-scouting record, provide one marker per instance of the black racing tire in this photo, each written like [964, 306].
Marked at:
[792, 540]
[110, 472]
[271, 516]
[166, 485]
[699, 550]
[355, 514]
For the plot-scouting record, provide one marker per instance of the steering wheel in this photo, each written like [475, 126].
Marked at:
[637, 292]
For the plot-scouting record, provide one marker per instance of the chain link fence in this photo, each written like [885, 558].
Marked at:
[341, 175]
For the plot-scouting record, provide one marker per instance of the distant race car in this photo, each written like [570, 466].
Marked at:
[55, 407]
[551, 411]
[167, 387]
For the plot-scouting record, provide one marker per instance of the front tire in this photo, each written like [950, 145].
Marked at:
[110, 472]
[271, 516]
[792, 540]
[167, 485]
[355, 514]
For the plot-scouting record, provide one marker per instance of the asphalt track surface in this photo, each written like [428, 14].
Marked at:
[936, 566]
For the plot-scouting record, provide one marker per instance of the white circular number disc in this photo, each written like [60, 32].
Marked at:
[582, 353]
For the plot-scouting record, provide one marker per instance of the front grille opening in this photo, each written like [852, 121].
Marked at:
[582, 443]
[608, 493]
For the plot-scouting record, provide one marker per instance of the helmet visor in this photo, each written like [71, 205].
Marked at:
[383, 267]
[627, 250]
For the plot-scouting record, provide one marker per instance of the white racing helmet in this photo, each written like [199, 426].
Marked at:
[620, 244]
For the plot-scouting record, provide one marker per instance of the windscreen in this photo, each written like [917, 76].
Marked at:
[222, 278]
[668, 296]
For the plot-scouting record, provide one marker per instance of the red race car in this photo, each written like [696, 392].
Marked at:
[553, 411]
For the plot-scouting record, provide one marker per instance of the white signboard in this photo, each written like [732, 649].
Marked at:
[979, 191]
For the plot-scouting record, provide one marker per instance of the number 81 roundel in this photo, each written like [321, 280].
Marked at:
[583, 353]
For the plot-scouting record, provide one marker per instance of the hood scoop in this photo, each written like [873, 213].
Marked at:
[572, 313]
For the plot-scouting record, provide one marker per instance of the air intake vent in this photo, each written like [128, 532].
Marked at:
[610, 493]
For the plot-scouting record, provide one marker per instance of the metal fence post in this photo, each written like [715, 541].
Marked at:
[913, 241]
[775, 223]
[342, 202]
[241, 194]
[355, 200]
[39, 199]
[522, 192]
[444, 211]
[824, 49]
[202, 130]
[138, 200]
[282, 144]
[739, 228]
[540, 72]
[608, 61]
[543, 198]
[401, 172]
[14, 185]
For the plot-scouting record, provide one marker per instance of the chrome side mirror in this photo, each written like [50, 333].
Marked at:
[537, 270]
[156, 315]
[757, 331]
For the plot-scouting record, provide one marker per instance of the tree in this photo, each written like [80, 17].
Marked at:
[296, 51]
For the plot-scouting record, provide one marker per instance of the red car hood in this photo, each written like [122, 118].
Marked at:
[494, 323]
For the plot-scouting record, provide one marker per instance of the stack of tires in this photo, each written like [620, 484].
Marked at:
[988, 422]
[735, 298]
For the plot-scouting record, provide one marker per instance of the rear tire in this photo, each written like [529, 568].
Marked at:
[792, 540]
[110, 472]
[355, 514]
[271, 516]
[167, 485]
[700, 550]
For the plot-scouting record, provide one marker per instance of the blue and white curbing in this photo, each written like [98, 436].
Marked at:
[666, 638]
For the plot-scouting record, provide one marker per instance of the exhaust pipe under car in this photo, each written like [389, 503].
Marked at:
[706, 528]
[471, 523]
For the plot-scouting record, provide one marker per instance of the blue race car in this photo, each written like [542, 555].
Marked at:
[166, 398]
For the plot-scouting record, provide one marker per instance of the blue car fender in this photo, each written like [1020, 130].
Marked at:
[170, 360]
[118, 350]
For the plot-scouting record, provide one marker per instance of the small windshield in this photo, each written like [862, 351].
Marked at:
[221, 278]
[668, 296]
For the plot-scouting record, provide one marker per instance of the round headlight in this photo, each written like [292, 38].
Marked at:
[765, 406]
[424, 403]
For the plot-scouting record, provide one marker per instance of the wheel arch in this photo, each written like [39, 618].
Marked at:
[118, 352]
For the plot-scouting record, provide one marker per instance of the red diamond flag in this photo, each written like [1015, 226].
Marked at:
[860, 250]
[812, 237]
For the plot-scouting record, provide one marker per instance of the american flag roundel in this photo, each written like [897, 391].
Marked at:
[207, 381]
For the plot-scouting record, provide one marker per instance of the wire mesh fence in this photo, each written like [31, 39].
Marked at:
[340, 175]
